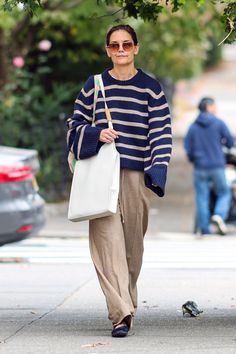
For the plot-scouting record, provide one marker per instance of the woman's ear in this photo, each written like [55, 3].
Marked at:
[108, 54]
[136, 49]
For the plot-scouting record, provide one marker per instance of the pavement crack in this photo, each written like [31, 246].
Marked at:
[61, 303]
[72, 294]
[7, 339]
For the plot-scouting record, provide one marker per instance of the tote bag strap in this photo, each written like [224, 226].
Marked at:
[98, 84]
[95, 98]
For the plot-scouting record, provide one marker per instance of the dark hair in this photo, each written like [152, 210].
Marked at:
[205, 101]
[126, 28]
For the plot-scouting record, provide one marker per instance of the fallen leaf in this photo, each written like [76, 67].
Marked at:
[93, 345]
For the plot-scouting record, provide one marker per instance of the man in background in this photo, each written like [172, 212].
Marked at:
[203, 144]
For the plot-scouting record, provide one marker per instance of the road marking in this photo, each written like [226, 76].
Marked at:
[182, 253]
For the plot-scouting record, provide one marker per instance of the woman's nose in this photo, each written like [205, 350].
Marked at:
[121, 49]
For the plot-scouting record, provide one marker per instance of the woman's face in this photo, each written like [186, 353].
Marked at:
[121, 48]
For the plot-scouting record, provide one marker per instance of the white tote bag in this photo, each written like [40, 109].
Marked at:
[96, 180]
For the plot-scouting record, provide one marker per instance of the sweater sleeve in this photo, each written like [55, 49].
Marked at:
[82, 138]
[160, 141]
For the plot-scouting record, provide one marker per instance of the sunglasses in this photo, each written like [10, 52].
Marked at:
[126, 46]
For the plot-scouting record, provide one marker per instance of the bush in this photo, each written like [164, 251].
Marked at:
[33, 117]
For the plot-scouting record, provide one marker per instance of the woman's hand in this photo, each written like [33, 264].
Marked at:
[108, 135]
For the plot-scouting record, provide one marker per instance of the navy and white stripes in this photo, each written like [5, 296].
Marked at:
[140, 115]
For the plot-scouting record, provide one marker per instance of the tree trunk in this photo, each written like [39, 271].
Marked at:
[3, 67]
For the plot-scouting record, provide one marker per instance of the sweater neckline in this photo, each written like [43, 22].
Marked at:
[111, 79]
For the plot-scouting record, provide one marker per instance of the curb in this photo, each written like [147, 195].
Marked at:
[68, 234]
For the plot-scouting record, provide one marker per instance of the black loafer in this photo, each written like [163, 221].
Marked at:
[121, 331]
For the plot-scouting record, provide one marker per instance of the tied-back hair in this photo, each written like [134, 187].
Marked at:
[126, 28]
[205, 101]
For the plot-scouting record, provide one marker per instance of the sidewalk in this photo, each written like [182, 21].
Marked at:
[58, 225]
[60, 309]
[218, 82]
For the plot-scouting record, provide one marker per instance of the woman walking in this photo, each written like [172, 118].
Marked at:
[142, 134]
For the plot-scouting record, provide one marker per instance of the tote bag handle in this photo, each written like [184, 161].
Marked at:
[98, 84]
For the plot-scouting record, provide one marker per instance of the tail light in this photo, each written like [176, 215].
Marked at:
[16, 173]
[25, 228]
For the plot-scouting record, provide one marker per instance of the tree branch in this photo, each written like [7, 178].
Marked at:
[232, 28]
[112, 14]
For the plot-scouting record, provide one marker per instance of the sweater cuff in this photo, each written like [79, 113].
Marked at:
[155, 179]
[90, 144]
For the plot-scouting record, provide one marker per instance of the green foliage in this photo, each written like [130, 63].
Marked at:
[229, 19]
[146, 10]
[178, 47]
[31, 117]
[178, 4]
[30, 6]
[150, 10]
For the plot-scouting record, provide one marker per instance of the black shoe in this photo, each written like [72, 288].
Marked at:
[120, 331]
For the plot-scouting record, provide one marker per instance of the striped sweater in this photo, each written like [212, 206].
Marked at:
[140, 115]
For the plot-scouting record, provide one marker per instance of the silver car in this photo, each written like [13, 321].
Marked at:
[21, 206]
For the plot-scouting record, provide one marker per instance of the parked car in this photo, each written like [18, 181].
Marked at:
[21, 206]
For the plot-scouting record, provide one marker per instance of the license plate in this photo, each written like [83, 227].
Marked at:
[35, 184]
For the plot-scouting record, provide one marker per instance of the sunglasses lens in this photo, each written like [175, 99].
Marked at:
[127, 46]
[114, 47]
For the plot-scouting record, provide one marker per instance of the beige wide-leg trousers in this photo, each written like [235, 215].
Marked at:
[116, 246]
